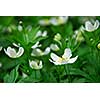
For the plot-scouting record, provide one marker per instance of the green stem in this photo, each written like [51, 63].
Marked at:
[67, 73]
[77, 46]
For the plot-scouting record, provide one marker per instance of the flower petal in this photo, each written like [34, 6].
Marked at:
[20, 52]
[54, 47]
[47, 50]
[40, 65]
[56, 63]
[36, 45]
[96, 24]
[88, 26]
[37, 52]
[54, 57]
[10, 52]
[72, 60]
[67, 53]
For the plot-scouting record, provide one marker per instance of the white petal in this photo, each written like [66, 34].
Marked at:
[33, 64]
[67, 53]
[37, 52]
[72, 60]
[47, 50]
[54, 47]
[10, 52]
[89, 27]
[44, 33]
[36, 45]
[53, 21]
[96, 24]
[20, 51]
[54, 57]
[39, 33]
[56, 63]
[40, 65]
[16, 45]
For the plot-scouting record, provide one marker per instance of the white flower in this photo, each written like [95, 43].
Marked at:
[11, 52]
[36, 45]
[39, 52]
[90, 27]
[65, 59]
[20, 28]
[54, 47]
[1, 48]
[40, 33]
[60, 20]
[35, 64]
[44, 22]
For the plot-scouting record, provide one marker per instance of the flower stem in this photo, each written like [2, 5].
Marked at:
[67, 73]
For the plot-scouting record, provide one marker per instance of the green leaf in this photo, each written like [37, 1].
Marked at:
[12, 77]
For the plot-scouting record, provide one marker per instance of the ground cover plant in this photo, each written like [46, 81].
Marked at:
[49, 49]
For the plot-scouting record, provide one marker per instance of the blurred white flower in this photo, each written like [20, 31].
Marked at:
[36, 45]
[65, 59]
[44, 22]
[54, 47]
[78, 36]
[11, 52]
[59, 20]
[98, 46]
[90, 27]
[0, 64]
[20, 28]
[39, 52]
[1, 48]
[36, 64]
[40, 33]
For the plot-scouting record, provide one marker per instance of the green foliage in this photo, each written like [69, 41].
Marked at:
[23, 32]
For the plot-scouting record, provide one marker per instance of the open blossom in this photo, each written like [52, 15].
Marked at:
[39, 52]
[90, 27]
[35, 64]
[65, 59]
[11, 52]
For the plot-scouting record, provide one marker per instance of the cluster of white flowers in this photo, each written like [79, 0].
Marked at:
[36, 51]
[54, 21]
